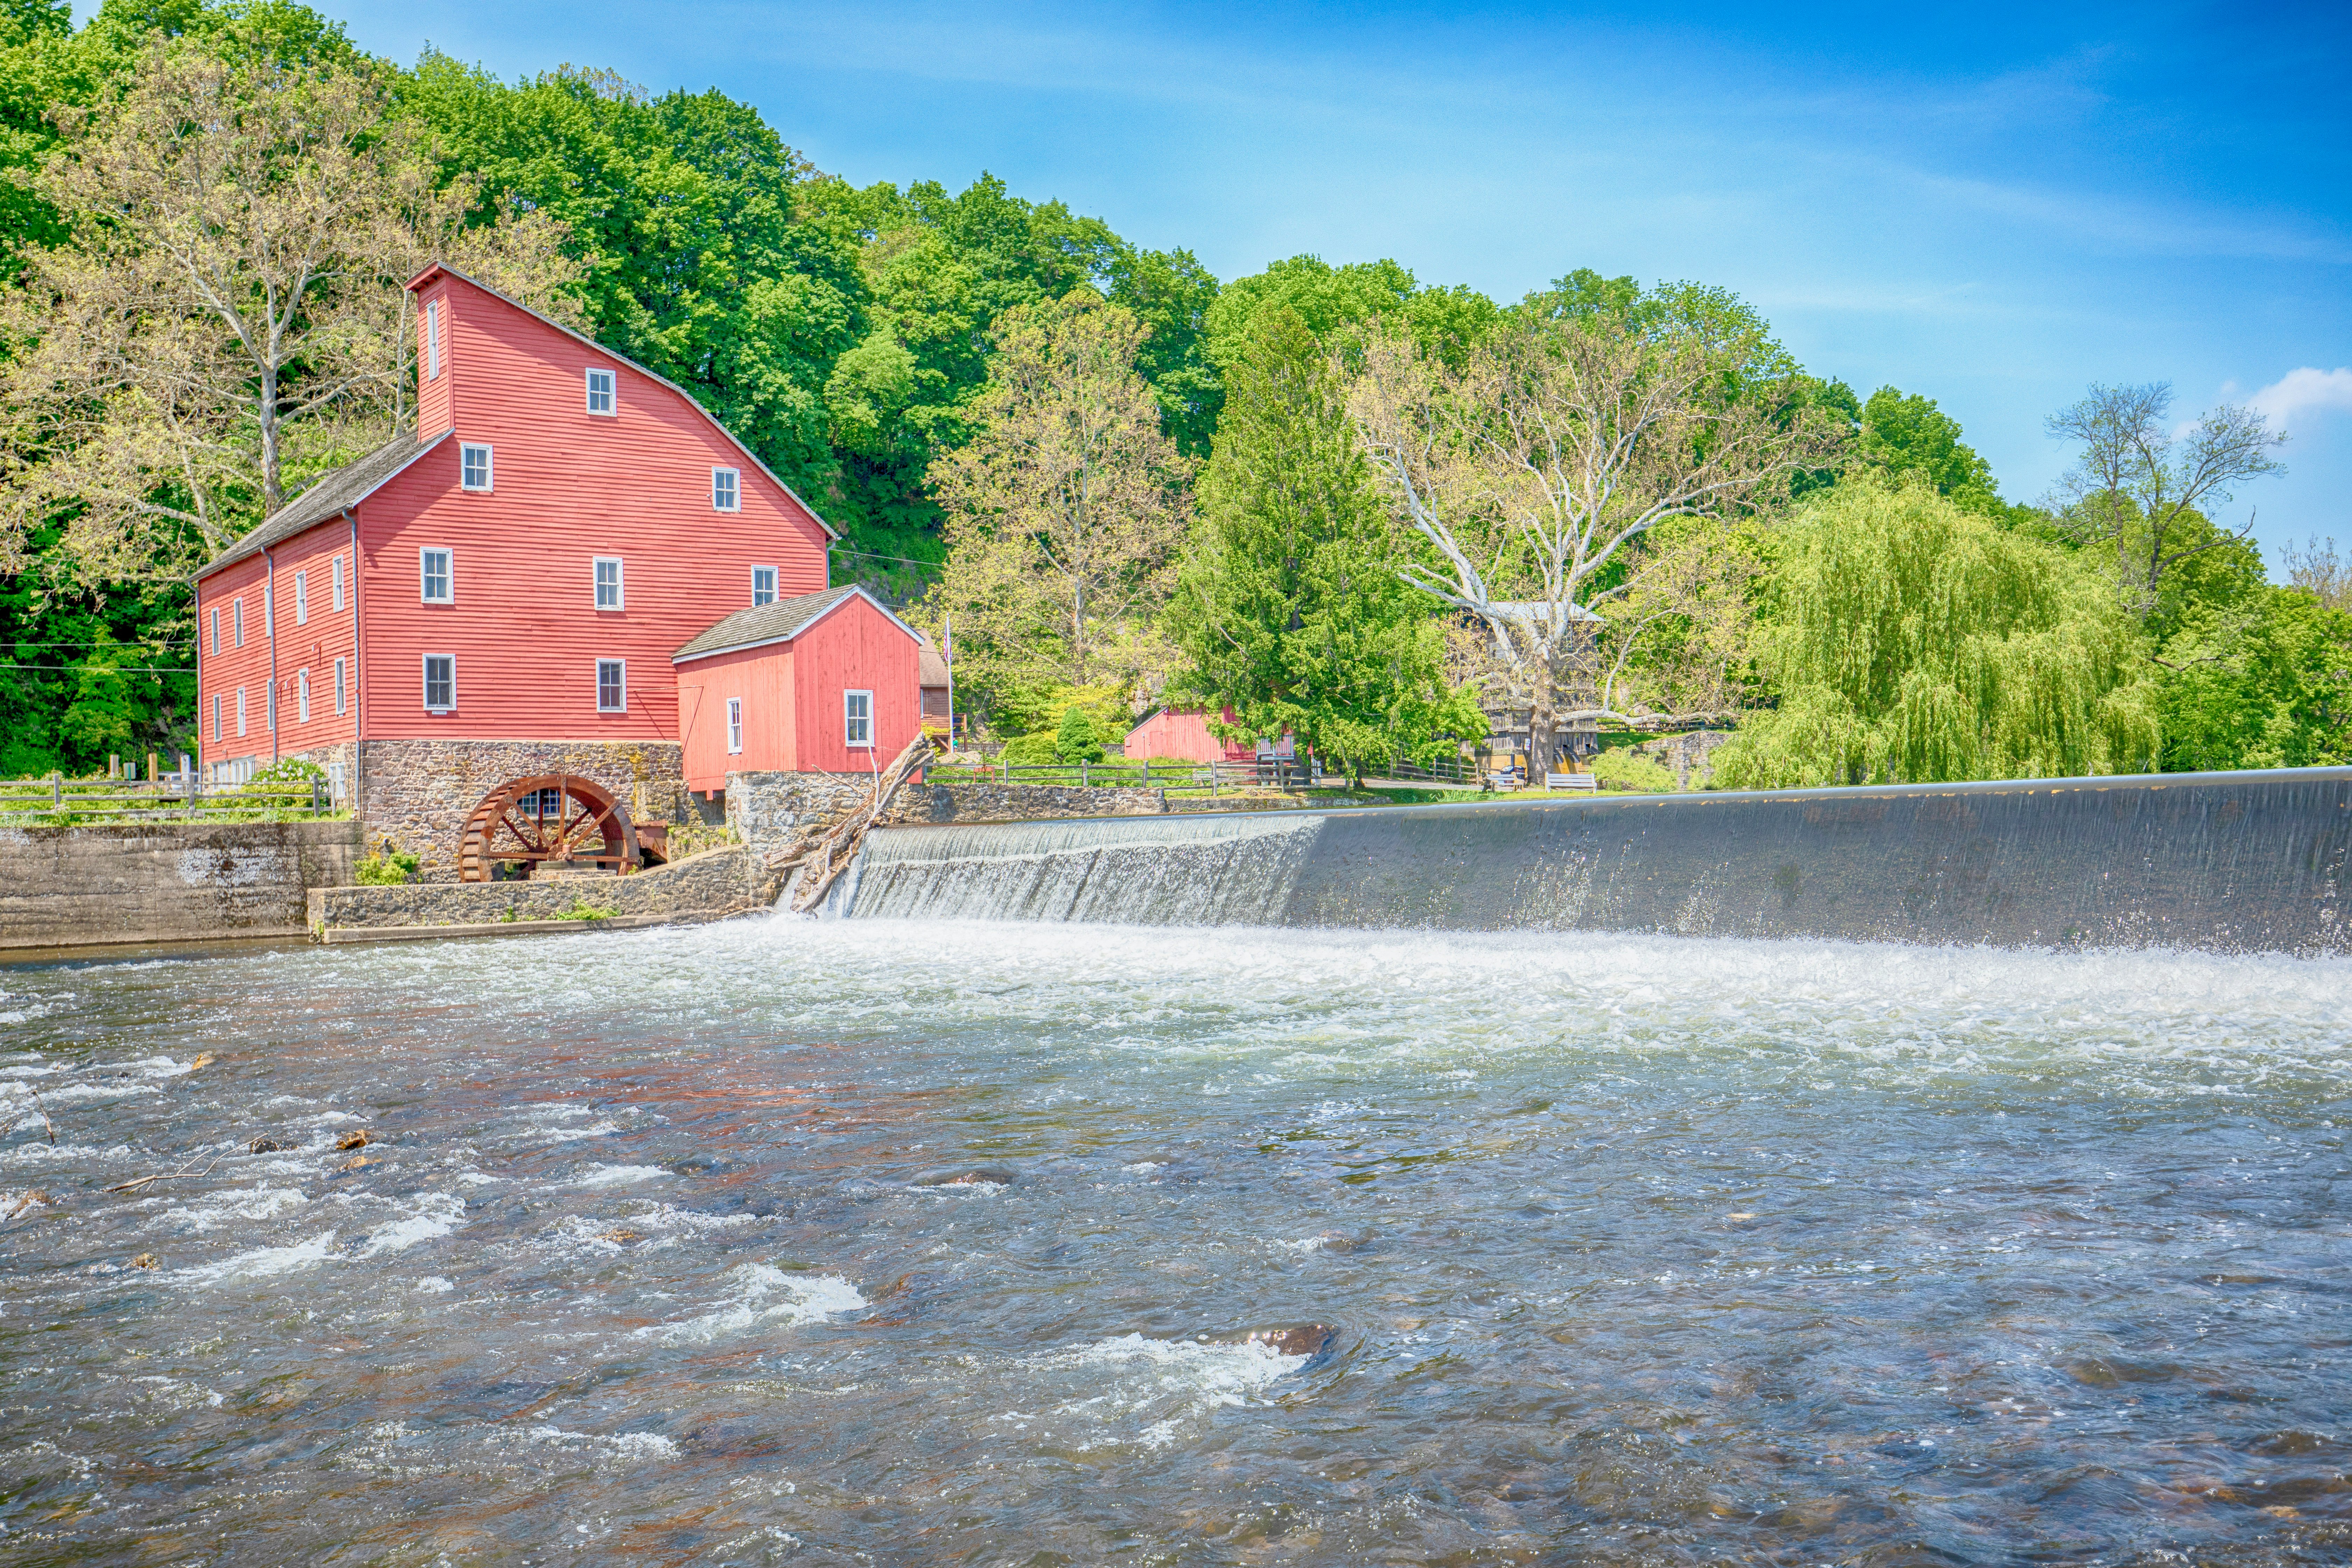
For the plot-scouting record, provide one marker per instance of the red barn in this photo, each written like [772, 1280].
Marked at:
[497, 596]
[1184, 732]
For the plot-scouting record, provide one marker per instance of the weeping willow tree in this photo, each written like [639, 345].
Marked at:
[1914, 642]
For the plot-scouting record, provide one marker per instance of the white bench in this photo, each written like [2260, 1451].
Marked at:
[1571, 781]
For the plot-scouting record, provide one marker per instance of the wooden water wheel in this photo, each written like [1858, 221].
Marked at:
[554, 816]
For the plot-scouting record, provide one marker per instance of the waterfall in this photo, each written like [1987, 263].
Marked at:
[2223, 862]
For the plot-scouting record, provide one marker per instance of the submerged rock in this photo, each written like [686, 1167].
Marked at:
[965, 1177]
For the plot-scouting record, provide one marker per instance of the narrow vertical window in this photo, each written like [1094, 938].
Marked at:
[858, 717]
[236, 622]
[474, 468]
[216, 732]
[612, 686]
[433, 340]
[440, 683]
[600, 392]
[608, 583]
[269, 702]
[435, 576]
[269, 610]
[302, 697]
[240, 712]
[763, 584]
[726, 490]
[215, 635]
[339, 584]
[734, 726]
[301, 599]
[338, 688]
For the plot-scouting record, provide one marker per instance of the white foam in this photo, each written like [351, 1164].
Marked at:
[237, 1204]
[1152, 1391]
[436, 1214]
[618, 1175]
[631, 1447]
[262, 1262]
[765, 1298]
[433, 1285]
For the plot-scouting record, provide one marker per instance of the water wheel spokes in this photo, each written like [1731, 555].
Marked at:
[546, 817]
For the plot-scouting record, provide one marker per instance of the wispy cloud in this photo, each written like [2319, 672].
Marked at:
[2301, 393]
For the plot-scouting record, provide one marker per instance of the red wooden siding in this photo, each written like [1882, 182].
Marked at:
[761, 679]
[314, 644]
[567, 487]
[855, 648]
[1174, 733]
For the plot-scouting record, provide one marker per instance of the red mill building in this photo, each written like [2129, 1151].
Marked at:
[564, 582]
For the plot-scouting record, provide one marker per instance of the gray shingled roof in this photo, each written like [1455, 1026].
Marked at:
[779, 622]
[347, 486]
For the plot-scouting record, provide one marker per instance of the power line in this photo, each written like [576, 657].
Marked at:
[109, 669]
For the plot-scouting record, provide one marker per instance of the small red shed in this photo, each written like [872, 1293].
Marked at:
[824, 682]
[1184, 732]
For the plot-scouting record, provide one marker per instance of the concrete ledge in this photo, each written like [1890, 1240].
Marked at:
[143, 882]
[703, 886]
[494, 928]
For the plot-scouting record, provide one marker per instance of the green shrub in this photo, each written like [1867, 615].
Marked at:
[1078, 739]
[289, 771]
[582, 910]
[1031, 751]
[1621, 768]
[389, 869]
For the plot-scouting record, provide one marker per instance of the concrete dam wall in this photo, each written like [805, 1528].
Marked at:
[2246, 862]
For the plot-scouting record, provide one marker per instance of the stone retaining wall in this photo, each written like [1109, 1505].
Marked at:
[420, 793]
[160, 882]
[722, 882]
[764, 807]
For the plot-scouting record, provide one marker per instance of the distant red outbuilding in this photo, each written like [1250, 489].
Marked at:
[1184, 732]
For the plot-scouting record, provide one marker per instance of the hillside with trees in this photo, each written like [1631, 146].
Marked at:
[1336, 499]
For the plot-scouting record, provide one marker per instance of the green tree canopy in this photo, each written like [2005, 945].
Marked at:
[1913, 642]
[1907, 434]
[1288, 606]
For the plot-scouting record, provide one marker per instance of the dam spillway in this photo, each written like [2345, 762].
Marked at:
[2240, 862]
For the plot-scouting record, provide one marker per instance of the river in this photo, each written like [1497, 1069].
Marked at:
[878, 1242]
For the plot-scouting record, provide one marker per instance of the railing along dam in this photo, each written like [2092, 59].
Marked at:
[2224, 862]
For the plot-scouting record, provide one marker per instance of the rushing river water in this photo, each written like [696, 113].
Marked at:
[872, 1242]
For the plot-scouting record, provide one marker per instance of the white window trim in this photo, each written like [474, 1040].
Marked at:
[216, 730]
[611, 393]
[422, 576]
[734, 726]
[302, 696]
[425, 680]
[624, 706]
[433, 339]
[301, 599]
[240, 712]
[620, 584]
[775, 581]
[343, 686]
[339, 584]
[736, 489]
[490, 466]
[236, 623]
[217, 638]
[269, 611]
[866, 744]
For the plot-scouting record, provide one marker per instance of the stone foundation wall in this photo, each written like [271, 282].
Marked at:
[764, 807]
[1690, 756]
[706, 886]
[160, 882]
[420, 793]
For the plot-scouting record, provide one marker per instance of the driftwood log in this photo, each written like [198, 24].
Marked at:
[823, 850]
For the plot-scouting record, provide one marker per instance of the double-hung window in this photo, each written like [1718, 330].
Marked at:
[858, 717]
[301, 599]
[440, 683]
[215, 638]
[341, 675]
[608, 583]
[237, 621]
[726, 489]
[433, 340]
[600, 392]
[339, 584]
[216, 732]
[474, 467]
[240, 712]
[269, 610]
[612, 686]
[763, 584]
[734, 726]
[435, 576]
[302, 696]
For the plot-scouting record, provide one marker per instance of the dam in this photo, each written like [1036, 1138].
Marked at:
[2243, 862]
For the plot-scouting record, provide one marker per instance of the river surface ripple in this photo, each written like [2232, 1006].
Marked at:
[1556, 1249]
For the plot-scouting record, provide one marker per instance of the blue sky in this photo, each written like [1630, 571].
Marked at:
[1992, 205]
